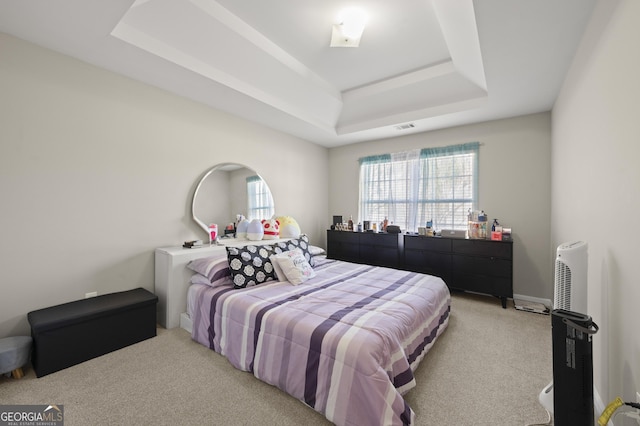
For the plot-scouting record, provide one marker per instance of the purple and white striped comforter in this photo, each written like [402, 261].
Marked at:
[345, 342]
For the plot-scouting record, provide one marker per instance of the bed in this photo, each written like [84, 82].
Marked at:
[346, 341]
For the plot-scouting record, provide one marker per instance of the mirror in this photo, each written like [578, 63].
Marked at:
[227, 190]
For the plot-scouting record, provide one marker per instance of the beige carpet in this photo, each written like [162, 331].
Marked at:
[487, 369]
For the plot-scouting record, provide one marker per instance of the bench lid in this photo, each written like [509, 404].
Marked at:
[87, 309]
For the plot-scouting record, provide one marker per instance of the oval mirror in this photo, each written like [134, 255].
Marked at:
[227, 190]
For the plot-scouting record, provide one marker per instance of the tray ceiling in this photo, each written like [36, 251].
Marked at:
[431, 63]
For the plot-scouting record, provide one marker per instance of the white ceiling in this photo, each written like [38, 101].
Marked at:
[431, 63]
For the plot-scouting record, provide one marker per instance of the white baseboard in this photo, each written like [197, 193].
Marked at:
[185, 322]
[545, 302]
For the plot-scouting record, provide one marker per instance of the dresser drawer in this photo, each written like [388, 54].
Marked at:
[490, 266]
[427, 243]
[343, 251]
[419, 258]
[382, 240]
[343, 237]
[429, 262]
[342, 245]
[361, 247]
[496, 286]
[483, 248]
[380, 255]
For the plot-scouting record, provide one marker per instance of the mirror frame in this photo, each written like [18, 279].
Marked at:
[217, 167]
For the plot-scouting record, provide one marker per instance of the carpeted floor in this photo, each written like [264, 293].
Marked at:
[486, 369]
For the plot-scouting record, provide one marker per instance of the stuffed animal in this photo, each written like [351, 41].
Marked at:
[241, 228]
[255, 231]
[271, 229]
[289, 228]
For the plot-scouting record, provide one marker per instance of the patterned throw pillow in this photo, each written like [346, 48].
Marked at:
[303, 244]
[250, 265]
[294, 266]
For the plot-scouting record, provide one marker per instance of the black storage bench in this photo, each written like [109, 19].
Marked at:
[74, 332]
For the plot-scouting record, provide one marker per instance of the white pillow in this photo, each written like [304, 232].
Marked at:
[279, 272]
[315, 250]
[294, 266]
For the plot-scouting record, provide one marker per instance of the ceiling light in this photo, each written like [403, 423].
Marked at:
[348, 31]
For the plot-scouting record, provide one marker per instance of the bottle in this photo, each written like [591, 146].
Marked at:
[350, 223]
[493, 226]
[359, 227]
[213, 233]
[384, 224]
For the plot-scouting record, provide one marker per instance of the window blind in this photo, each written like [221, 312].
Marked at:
[259, 202]
[413, 187]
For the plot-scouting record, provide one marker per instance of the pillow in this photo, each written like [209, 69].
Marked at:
[289, 228]
[250, 265]
[201, 279]
[241, 228]
[214, 268]
[271, 229]
[303, 244]
[294, 266]
[314, 250]
[255, 231]
[280, 276]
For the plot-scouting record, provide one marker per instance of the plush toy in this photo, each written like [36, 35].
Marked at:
[255, 231]
[241, 228]
[271, 229]
[289, 228]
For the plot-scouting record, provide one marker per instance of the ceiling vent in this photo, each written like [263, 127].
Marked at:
[405, 126]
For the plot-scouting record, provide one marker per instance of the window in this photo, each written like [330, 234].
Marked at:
[260, 202]
[411, 188]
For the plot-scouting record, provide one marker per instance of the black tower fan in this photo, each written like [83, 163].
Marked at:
[572, 368]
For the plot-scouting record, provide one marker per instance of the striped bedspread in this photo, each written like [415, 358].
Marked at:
[345, 342]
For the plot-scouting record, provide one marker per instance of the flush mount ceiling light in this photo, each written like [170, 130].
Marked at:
[348, 31]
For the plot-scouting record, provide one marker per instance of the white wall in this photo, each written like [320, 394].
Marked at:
[97, 170]
[514, 184]
[596, 186]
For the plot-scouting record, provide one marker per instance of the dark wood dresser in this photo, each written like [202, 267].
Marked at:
[376, 249]
[481, 266]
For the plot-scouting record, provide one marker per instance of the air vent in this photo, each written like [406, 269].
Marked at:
[405, 126]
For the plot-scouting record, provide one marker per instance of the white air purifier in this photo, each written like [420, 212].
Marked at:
[569, 292]
[570, 283]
